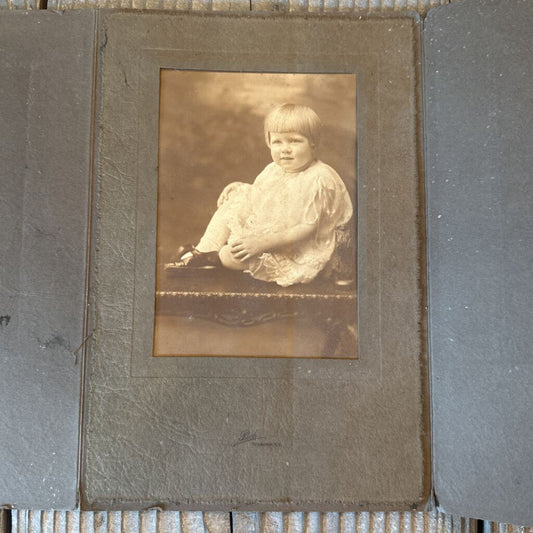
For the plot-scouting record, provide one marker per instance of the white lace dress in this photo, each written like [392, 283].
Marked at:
[279, 200]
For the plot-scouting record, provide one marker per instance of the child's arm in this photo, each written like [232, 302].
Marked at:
[251, 245]
[232, 187]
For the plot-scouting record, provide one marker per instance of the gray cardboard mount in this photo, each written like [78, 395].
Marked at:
[333, 434]
[479, 118]
[46, 86]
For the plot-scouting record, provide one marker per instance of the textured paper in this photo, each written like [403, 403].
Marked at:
[45, 151]
[270, 434]
[478, 74]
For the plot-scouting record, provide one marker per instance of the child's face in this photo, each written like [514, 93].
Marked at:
[291, 151]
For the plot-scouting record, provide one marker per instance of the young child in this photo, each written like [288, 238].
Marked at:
[281, 228]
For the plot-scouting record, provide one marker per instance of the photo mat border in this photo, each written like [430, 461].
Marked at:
[150, 63]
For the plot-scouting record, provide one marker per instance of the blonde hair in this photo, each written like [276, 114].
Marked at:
[293, 117]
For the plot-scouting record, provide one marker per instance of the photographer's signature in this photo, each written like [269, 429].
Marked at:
[254, 439]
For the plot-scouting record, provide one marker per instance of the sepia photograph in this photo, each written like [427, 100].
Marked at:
[256, 215]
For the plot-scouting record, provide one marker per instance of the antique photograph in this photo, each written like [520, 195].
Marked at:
[256, 215]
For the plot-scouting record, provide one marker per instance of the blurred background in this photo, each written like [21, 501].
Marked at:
[211, 133]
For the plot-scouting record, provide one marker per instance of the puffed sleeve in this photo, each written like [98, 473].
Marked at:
[329, 202]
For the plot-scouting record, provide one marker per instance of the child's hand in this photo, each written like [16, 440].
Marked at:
[249, 246]
[228, 189]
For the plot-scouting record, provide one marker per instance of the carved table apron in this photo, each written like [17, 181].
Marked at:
[236, 300]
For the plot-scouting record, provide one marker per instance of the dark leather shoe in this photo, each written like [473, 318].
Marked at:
[194, 258]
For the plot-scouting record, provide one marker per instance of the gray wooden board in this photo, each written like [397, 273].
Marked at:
[331, 6]
[45, 109]
[24, 521]
[479, 117]
[18, 4]
[239, 522]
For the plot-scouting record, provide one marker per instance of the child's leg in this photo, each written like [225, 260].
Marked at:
[227, 259]
[216, 234]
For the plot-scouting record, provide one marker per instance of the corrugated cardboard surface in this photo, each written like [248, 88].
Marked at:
[479, 118]
[45, 150]
[350, 435]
